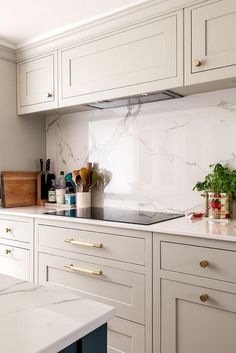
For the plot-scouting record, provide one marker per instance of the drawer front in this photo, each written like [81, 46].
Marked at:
[125, 337]
[115, 247]
[15, 262]
[122, 289]
[15, 230]
[199, 261]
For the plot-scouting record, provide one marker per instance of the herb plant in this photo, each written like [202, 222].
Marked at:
[221, 180]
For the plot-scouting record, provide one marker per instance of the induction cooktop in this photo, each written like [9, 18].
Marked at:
[117, 215]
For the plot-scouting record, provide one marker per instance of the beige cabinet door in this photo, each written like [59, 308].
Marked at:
[37, 86]
[125, 337]
[210, 41]
[147, 57]
[15, 262]
[195, 319]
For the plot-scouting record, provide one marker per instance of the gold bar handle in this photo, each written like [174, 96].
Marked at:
[91, 245]
[83, 270]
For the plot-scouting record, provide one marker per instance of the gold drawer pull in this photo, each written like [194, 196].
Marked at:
[91, 245]
[204, 263]
[204, 297]
[197, 63]
[49, 95]
[83, 270]
[8, 230]
[7, 251]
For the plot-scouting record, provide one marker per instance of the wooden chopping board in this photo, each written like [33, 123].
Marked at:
[19, 188]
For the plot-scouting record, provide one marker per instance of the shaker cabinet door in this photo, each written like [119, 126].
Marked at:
[195, 319]
[15, 262]
[37, 86]
[146, 57]
[210, 41]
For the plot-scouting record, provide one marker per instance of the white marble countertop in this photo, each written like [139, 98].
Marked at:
[40, 319]
[205, 228]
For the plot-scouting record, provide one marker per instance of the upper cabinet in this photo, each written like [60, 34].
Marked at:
[139, 54]
[210, 41]
[143, 58]
[37, 84]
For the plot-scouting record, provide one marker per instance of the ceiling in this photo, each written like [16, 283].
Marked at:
[25, 21]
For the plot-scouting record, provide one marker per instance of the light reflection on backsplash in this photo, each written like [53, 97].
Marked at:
[155, 151]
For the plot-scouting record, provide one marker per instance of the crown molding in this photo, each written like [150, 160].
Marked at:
[7, 51]
[100, 27]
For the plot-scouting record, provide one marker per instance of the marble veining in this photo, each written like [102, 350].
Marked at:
[155, 151]
[38, 319]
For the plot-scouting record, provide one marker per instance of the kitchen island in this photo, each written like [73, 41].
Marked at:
[39, 319]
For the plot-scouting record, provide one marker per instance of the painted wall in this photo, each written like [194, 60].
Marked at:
[22, 139]
[156, 151]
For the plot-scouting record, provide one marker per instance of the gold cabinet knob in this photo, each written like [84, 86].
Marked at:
[50, 95]
[8, 230]
[7, 251]
[204, 263]
[204, 297]
[197, 63]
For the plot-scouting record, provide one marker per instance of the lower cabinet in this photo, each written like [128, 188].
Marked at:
[15, 262]
[122, 289]
[95, 273]
[125, 337]
[196, 319]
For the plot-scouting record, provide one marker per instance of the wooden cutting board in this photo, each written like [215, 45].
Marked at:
[19, 188]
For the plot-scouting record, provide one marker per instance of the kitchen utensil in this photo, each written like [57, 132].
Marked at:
[47, 170]
[84, 174]
[69, 178]
[41, 165]
[74, 175]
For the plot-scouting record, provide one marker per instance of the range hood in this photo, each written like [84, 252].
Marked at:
[138, 99]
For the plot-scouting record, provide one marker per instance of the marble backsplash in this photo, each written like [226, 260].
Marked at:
[155, 151]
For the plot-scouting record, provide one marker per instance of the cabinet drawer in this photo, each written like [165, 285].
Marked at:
[115, 247]
[15, 230]
[120, 288]
[15, 262]
[125, 337]
[199, 261]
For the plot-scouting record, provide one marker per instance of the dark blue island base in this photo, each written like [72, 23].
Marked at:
[94, 342]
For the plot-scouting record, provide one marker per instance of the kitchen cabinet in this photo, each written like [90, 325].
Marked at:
[210, 43]
[16, 247]
[196, 319]
[37, 84]
[143, 58]
[109, 265]
[15, 261]
[194, 306]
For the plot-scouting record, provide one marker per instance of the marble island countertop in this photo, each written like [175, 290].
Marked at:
[38, 319]
[205, 228]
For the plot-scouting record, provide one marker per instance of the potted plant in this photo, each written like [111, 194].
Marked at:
[219, 188]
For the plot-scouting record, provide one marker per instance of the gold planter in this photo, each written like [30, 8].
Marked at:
[219, 205]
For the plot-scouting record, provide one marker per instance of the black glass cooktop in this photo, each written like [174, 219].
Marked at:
[117, 215]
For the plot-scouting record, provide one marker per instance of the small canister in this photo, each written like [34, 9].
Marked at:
[70, 199]
[219, 205]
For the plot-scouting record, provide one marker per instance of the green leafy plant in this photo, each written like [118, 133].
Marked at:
[221, 180]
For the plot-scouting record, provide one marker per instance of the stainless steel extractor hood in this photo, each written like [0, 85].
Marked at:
[138, 99]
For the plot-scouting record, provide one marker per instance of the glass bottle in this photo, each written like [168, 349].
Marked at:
[52, 192]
